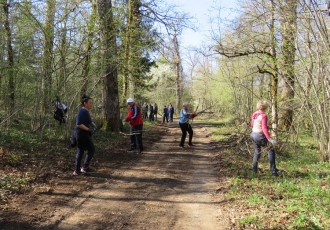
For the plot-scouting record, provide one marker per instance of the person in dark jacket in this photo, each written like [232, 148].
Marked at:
[84, 129]
[156, 111]
[151, 114]
[170, 112]
[165, 114]
[134, 117]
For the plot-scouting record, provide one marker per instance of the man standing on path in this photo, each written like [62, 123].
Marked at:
[171, 112]
[165, 114]
[185, 115]
[151, 114]
[134, 117]
[155, 111]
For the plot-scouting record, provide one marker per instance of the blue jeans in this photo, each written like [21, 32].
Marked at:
[259, 140]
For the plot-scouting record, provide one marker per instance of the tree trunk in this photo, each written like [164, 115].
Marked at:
[109, 51]
[134, 48]
[289, 32]
[46, 77]
[89, 45]
[11, 71]
[178, 72]
[274, 67]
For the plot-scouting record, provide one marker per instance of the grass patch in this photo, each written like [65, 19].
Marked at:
[297, 200]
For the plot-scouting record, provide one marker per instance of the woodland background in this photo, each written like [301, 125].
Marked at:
[112, 50]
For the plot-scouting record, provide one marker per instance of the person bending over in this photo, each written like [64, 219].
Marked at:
[261, 138]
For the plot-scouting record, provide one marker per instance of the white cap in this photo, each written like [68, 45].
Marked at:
[130, 100]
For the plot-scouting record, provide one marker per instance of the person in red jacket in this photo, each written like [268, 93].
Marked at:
[261, 138]
[134, 117]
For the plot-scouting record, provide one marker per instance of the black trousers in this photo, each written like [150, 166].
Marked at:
[165, 117]
[136, 138]
[85, 142]
[185, 127]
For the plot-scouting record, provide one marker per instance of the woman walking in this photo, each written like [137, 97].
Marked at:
[84, 130]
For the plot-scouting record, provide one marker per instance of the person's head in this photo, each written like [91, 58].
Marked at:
[130, 102]
[185, 105]
[87, 102]
[262, 105]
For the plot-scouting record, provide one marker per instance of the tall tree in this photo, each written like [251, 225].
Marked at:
[177, 62]
[108, 32]
[10, 56]
[89, 46]
[288, 11]
[47, 61]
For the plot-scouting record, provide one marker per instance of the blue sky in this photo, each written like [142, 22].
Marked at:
[203, 11]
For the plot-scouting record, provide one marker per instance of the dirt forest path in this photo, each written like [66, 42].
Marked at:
[166, 188]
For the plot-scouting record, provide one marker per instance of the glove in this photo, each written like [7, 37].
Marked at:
[272, 141]
[92, 128]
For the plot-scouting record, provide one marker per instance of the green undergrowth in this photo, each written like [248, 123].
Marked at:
[298, 199]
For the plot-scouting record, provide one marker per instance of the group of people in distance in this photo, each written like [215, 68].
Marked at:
[85, 129]
[153, 111]
[168, 113]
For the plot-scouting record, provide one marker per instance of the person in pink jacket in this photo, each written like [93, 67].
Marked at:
[261, 138]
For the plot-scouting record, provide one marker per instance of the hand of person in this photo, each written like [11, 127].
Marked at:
[92, 128]
[272, 141]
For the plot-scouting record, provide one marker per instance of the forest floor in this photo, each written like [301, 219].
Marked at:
[164, 188]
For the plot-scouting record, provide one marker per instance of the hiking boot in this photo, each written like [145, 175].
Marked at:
[75, 173]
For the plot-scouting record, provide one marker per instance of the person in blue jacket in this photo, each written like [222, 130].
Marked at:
[185, 126]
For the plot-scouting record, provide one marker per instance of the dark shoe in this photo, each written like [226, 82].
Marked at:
[131, 149]
[277, 172]
[191, 145]
[181, 146]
